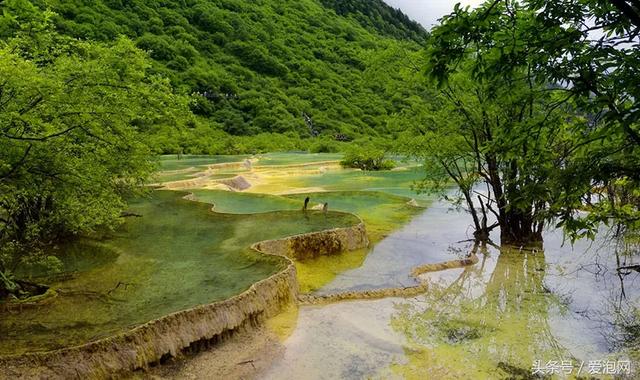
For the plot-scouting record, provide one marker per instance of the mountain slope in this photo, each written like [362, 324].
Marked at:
[279, 66]
[377, 15]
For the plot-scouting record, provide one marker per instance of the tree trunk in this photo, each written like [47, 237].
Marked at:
[520, 230]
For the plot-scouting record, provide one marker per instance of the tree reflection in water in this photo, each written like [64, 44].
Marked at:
[491, 321]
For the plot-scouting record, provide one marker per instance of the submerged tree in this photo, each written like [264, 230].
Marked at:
[71, 113]
[539, 112]
[499, 138]
[500, 144]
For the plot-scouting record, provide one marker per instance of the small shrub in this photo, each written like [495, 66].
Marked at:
[367, 158]
[323, 146]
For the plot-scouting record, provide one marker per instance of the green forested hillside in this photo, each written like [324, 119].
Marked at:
[293, 66]
[380, 17]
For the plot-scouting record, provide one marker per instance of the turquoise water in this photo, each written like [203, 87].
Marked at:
[245, 203]
[294, 158]
[173, 162]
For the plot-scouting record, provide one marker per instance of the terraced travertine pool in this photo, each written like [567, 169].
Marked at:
[180, 254]
[490, 320]
[177, 255]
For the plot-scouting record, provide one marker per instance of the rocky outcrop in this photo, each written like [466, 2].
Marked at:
[237, 183]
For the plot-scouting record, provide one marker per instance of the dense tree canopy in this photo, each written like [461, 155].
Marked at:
[377, 15]
[585, 53]
[73, 115]
[501, 142]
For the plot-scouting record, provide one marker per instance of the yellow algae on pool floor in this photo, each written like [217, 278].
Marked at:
[284, 323]
[315, 273]
[281, 181]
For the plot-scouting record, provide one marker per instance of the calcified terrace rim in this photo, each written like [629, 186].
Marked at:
[283, 247]
[199, 177]
[168, 335]
[399, 291]
[350, 238]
